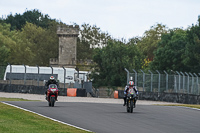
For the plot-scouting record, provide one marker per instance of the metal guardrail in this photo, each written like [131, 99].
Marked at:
[161, 81]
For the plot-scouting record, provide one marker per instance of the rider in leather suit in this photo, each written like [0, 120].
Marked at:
[131, 83]
[50, 81]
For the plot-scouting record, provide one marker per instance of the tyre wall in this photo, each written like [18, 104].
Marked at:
[76, 92]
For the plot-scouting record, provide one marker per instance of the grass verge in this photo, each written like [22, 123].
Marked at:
[183, 105]
[14, 120]
[13, 99]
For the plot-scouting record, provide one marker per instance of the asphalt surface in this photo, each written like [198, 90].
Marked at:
[113, 118]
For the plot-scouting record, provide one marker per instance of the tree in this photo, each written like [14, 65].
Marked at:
[111, 61]
[18, 21]
[150, 39]
[44, 43]
[6, 41]
[192, 52]
[90, 37]
[170, 51]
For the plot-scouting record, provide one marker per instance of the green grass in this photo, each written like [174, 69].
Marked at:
[197, 106]
[13, 99]
[14, 120]
[185, 105]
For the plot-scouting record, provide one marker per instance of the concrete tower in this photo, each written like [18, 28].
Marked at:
[67, 46]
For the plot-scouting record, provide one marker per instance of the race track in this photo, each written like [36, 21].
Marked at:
[113, 118]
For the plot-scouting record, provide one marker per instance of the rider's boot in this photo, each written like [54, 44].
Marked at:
[124, 101]
[46, 95]
[134, 103]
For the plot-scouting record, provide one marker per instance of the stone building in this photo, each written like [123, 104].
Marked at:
[67, 46]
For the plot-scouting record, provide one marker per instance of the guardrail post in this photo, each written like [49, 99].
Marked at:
[127, 79]
[135, 77]
[197, 82]
[143, 79]
[38, 74]
[151, 80]
[158, 80]
[51, 70]
[192, 83]
[188, 82]
[179, 80]
[166, 80]
[64, 76]
[25, 75]
[10, 76]
[183, 81]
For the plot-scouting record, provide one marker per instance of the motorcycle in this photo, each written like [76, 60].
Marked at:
[52, 94]
[130, 100]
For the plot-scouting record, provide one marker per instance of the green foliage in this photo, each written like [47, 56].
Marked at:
[33, 45]
[31, 39]
[33, 16]
[33, 42]
[148, 43]
[111, 62]
[192, 50]
[178, 50]
[43, 44]
[7, 40]
[170, 51]
[90, 37]
[2, 71]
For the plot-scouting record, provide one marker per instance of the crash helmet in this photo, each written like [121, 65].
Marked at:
[51, 78]
[131, 83]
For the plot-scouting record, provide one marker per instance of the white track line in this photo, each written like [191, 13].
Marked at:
[46, 117]
[188, 108]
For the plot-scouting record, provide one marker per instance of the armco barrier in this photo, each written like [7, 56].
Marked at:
[22, 89]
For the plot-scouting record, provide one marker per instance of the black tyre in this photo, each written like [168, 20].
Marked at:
[128, 106]
[52, 101]
[131, 106]
[49, 103]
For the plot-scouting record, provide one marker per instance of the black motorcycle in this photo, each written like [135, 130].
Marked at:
[130, 100]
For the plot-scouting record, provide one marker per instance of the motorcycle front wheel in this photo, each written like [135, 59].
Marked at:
[128, 106]
[52, 101]
[131, 106]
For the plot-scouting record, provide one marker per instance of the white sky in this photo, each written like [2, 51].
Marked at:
[120, 18]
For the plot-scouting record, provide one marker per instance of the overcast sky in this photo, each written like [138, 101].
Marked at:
[120, 18]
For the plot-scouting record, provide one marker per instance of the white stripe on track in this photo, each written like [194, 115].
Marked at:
[46, 116]
[188, 108]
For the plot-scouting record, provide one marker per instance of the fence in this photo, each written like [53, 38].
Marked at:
[21, 75]
[161, 81]
[36, 73]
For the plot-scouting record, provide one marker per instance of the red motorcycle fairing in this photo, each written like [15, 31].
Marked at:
[52, 91]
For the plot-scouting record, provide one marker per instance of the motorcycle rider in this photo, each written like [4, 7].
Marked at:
[50, 81]
[131, 83]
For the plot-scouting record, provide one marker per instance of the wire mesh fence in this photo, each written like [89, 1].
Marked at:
[179, 82]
